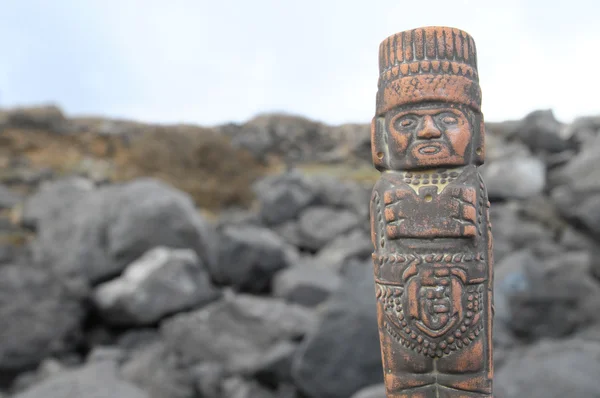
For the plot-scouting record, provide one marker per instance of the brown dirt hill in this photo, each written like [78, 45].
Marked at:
[195, 159]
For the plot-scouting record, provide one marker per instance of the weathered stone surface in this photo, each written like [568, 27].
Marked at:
[539, 300]
[343, 354]
[8, 197]
[161, 282]
[306, 284]
[235, 331]
[100, 234]
[283, 197]
[154, 370]
[540, 131]
[355, 244]
[577, 194]
[517, 176]
[237, 387]
[376, 391]
[40, 315]
[48, 117]
[98, 379]
[54, 196]
[349, 195]
[552, 369]
[249, 257]
[319, 225]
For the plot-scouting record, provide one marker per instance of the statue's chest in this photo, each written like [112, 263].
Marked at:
[428, 213]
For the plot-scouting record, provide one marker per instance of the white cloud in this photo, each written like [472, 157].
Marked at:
[210, 62]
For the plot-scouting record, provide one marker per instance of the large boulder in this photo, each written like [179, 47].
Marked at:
[540, 131]
[514, 176]
[54, 197]
[97, 379]
[538, 299]
[343, 354]
[40, 315]
[161, 282]
[552, 369]
[235, 331]
[102, 232]
[577, 193]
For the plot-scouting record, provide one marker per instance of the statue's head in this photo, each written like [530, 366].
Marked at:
[428, 101]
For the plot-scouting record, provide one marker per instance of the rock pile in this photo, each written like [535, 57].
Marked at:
[130, 290]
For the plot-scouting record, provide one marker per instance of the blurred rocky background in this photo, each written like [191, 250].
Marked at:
[234, 261]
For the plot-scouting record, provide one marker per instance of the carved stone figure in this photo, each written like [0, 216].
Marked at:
[430, 223]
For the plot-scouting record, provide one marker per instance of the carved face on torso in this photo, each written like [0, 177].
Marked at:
[428, 137]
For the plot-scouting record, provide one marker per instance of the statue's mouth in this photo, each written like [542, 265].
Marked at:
[430, 149]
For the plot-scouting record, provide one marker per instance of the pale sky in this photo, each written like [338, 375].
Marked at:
[212, 62]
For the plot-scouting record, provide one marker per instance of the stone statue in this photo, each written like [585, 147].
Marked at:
[430, 225]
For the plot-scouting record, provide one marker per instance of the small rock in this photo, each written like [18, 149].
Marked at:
[97, 380]
[237, 387]
[320, 225]
[284, 196]
[155, 371]
[161, 282]
[249, 257]
[305, 284]
[355, 244]
[8, 198]
[376, 391]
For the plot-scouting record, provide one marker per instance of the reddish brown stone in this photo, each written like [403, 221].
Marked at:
[430, 218]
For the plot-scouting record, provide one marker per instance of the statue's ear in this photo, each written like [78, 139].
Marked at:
[479, 140]
[379, 147]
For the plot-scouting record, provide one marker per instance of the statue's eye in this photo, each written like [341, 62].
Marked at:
[407, 122]
[449, 120]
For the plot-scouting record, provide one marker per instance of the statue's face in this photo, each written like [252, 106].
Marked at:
[436, 136]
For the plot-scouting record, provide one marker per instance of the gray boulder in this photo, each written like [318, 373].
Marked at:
[553, 299]
[540, 131]
[235, 331]
[8, 197]
[376, 391]
[577, 194]
[40, 315]
[100, 234]
[97, 379]
[54, 197]
[306, 284]
[336, 254]
[283, 197]
[249, 256]
[516, 176]
[161, 282]
[319, 225]
[343, 354]
[155, 370]
[552, 369]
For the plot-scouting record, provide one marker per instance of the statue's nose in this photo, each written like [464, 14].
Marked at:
[429, 129]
